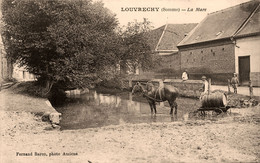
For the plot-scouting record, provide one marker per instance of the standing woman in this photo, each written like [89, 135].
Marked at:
[185, 76]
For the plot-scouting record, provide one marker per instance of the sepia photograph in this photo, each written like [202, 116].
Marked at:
[121, 81]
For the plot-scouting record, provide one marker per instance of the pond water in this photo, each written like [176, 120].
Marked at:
[96, 110]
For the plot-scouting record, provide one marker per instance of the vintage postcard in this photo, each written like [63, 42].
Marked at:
[129, 81]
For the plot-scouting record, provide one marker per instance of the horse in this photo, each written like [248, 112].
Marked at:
[166, 93]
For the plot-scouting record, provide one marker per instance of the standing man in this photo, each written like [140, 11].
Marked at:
[235, 82]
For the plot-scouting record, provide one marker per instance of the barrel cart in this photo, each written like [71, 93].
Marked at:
[216, 102]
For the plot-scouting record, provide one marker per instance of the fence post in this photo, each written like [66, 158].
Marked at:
[130, 84]
[209, 86]
[250, 89]
[229, 86]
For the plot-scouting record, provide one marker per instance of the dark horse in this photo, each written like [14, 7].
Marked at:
[152, 94]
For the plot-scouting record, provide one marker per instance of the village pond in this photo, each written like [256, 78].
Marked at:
[94, 109]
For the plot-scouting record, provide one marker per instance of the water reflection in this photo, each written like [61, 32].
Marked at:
[97, 109]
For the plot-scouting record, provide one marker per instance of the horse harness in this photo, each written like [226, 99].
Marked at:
[158, 90]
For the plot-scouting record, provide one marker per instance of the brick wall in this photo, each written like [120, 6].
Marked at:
[189, 88]
[211, 58]
[171, 61]
[216, 60]
[170, 68]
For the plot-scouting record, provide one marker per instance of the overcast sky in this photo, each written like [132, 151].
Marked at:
[161, 17]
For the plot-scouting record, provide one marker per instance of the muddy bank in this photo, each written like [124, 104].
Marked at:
[227, 140]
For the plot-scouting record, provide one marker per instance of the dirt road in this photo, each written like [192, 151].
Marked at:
[227, 140]
[25, 138]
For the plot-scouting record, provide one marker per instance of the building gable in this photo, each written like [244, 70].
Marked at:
[167, 37]
[252, 27]
[221, 24]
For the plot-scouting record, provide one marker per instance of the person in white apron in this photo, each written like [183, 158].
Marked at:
[205, 86]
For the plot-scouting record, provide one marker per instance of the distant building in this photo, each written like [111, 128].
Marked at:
[225, 42]
[21, 74]
[164, 41]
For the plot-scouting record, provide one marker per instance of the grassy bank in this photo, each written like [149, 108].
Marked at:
[30, 88]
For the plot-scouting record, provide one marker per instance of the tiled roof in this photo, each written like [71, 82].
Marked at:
[252, 26]
[154, 36]
[168, 36]
[173, 34]
[222, 24]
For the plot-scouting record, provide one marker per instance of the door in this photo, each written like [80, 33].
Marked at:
[244, 69]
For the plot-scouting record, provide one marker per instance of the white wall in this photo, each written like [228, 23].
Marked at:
[249, 46]
[21, 74]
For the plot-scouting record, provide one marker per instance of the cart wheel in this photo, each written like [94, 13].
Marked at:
[193, 114]
[219, 111]
[202, 113]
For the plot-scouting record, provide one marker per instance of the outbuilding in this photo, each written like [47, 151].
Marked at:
[225, 42]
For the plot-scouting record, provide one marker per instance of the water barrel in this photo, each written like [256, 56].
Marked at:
[216, 99]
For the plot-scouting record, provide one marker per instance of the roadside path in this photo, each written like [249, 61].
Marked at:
[240, 90]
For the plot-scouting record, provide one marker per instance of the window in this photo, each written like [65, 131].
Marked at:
[201, 51]
[223, 49]
[190, 52]
[213, 54]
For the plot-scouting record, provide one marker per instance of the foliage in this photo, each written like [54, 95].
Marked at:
[66, 41]
[30, 88]
[72, 43]
[136, 51]
[115, 82]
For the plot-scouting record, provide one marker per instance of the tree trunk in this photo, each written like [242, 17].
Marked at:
[48, 86]
[9, 69]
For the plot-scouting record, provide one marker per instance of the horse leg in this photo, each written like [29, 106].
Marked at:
[176, 106]
[154, 107]
[171, 105]
[151, 106]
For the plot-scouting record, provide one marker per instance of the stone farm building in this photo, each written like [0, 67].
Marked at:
[225, 42]
[163, 42]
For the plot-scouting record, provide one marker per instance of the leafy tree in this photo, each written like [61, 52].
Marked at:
[73, 43]
[60, 41]
[137, 52]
